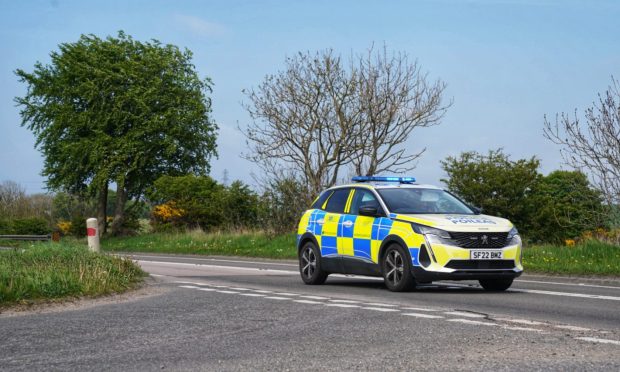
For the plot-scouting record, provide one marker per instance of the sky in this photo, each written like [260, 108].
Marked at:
[506, 63]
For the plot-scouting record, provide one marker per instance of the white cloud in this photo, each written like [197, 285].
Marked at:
[200, 26]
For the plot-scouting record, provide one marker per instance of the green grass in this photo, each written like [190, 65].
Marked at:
[589, 258]
[52, 271]
[251, 244]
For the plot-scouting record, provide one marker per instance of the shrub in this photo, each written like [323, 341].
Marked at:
[78, 227]
[30, 226]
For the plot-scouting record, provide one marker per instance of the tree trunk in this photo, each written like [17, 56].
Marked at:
[102, 204]
[119, 209]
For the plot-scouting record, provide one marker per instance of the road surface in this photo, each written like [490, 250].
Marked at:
[238, 314]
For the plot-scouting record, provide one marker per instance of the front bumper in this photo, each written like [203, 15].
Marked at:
[448, 262]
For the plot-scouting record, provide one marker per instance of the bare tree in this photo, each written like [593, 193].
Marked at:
[319, 119]
[304, 120]
[593, 146]
[395, 98]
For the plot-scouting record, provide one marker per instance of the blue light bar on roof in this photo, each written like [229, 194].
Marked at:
[383, 179]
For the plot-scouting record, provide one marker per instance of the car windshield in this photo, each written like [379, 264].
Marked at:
[422, 201]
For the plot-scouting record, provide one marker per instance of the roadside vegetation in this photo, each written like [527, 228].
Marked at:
[251, 244]
[51, 271]
[588, 258]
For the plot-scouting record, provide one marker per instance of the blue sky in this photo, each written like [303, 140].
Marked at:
[507, 63]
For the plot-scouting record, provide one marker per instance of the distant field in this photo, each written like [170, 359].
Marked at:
[50, 271]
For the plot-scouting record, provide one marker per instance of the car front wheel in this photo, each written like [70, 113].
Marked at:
[396, 269]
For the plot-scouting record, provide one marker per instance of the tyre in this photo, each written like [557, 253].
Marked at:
[496, 285]
[310, 265]
[396, 269]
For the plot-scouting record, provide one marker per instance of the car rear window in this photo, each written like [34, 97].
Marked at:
[318, 204]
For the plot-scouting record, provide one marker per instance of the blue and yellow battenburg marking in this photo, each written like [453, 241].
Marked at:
[357, 236]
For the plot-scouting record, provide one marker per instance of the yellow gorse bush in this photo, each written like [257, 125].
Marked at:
[167, 211]
[64, 227]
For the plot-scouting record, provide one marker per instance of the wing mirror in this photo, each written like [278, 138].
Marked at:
[477, 210]
[369, 210]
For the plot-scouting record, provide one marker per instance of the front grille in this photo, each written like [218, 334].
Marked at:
[480, 239]
[481, 264]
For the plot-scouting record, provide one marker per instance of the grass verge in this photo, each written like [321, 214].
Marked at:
[588, 258]
[50, 271]
[252, 244]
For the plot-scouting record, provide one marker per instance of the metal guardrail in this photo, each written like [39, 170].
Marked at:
[26, 237]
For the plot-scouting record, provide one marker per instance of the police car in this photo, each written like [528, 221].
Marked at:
[407, 233]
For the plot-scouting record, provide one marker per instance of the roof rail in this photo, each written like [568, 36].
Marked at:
[383, 179]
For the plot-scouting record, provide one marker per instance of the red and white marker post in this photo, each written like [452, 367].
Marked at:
[92, 231]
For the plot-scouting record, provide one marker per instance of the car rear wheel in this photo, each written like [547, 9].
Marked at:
[396, 269]
[496, 285]
[310, 265]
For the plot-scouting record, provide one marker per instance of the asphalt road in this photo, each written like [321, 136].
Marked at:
[234, 314]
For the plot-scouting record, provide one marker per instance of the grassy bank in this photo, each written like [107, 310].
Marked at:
[589, 258]
[49, 271]
[254, 244]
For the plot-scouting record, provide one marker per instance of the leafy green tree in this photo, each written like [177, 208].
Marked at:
[118, 111]
[494, 182]
[564, 205]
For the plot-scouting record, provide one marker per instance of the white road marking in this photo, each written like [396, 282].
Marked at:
[220, 260]
[378, 304]
[384, 309]
[345, 301]
[274, 271]
[156, 275]
[307, 302]
[252, 294]
[224, 291]
[277, 298]
[469, 321]
[286, 294]
[573, 328]
[419, 315]
[569, 284]
[599, 340]
[465, 314]
[262, 291]
[239, 289]
[420, 309]
[568, 294]
[206, 289]
[525, 329]
[520, 321]
[315, 297]
[341, 305]
[188, 286]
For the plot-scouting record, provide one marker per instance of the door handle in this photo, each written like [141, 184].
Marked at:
[321, 221]
[347, 223]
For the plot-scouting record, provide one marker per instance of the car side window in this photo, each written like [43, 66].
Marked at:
[363, 198]
[337, 201]
[318, 204]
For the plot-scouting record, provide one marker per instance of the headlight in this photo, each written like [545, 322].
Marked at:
[433, 235]
[513, 237]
